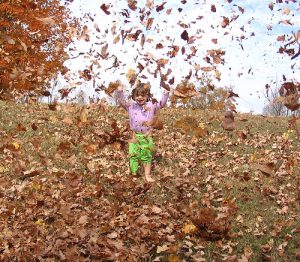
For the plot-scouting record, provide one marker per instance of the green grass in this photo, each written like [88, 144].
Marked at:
[191, 173]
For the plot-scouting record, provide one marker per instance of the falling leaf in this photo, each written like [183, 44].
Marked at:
[271, 6]
[281, 38]
[150, 4]
[228, 122]
[286, 11]
[149, 23]
[215, 40]
[160, 7]
[225, 22]
[131, 76]
[132, 4]
[112, 87]
[185, 36]
[105, 8]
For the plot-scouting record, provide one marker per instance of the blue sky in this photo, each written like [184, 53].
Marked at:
[250, 45]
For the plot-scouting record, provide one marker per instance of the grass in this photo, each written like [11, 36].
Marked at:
[79, 200]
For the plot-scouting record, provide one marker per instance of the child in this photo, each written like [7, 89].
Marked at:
[141, 112]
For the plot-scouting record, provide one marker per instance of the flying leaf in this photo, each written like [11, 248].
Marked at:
[160, 7]
[228, 122]
[132, 4]
[185, 35]
[225, 22]
[149, 23]
[286, 11]
[112, 87]
[105, 8]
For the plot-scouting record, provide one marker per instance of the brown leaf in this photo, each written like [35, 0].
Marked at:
[149, 23]
[34, 126]
[228, 122]
[20, 127]
[215, 40]
[292, 102]
[160, 7]
[67, 120]
[225, 22]
[271, 6]
[112, 87]
[267, 169]
[83, 220]
[132, 4]
[83, 115]
[91, 149]
[281, 38]
[105, 8]
[185, 36]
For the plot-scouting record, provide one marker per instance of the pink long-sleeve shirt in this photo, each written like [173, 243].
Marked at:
[139, 115]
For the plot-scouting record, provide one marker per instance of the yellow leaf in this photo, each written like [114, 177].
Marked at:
[286, 11]
[173, 258]
[285, 136]
[53, 119]
[15, 145]
[83, 115]
[117, 39]
[40, 222]
[3, 169]
[189, 229]
[37, 187]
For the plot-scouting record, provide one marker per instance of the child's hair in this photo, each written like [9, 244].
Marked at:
[141, 89]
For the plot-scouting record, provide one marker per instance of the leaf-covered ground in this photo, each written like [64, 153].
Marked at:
[66, 193]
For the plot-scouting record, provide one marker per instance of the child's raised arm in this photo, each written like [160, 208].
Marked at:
[162, 103]
[121, 100]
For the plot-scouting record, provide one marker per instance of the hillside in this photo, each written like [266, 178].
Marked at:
[66, 192]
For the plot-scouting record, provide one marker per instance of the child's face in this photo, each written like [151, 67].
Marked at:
[141, 99]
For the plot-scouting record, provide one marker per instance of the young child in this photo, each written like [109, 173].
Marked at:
[141, 112]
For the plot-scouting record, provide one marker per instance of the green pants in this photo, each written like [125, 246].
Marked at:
[140, 151]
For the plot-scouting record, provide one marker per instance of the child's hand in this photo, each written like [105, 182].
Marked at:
[168, 91]
[120, 87]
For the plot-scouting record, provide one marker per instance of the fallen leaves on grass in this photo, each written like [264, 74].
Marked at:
[68, 189]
